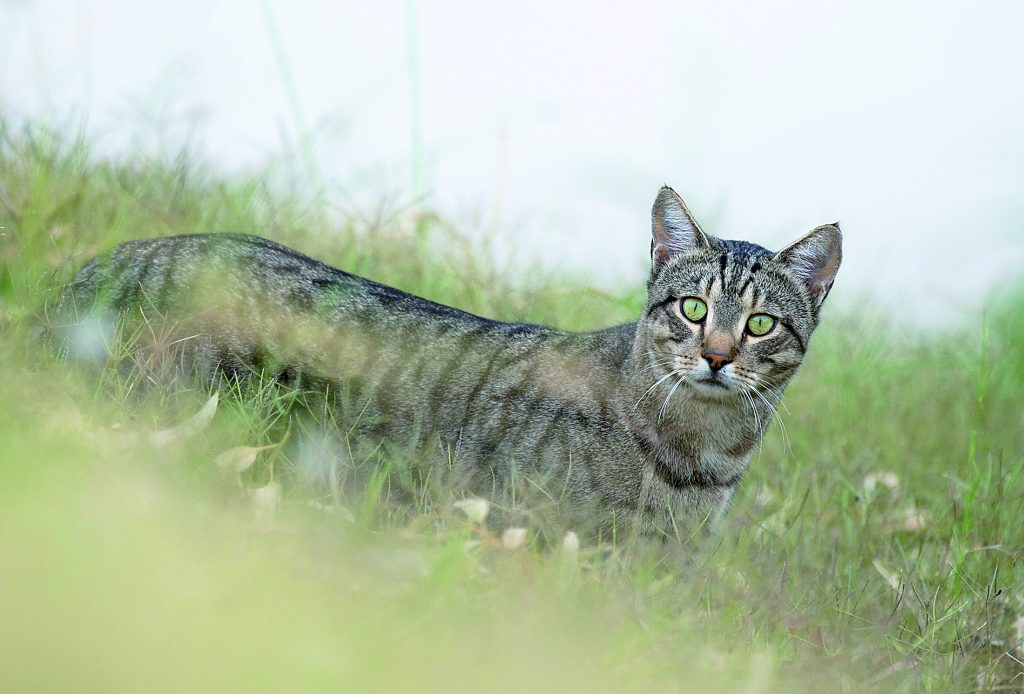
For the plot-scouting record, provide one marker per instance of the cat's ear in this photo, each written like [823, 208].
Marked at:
[673, 228]
[815, 259]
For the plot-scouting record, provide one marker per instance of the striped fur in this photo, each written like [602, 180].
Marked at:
[619, 422]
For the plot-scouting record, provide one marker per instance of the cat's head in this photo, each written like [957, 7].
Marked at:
[724, 317]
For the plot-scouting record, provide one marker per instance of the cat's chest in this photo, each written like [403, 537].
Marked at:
[673, 510]
[696, 451]
[682, 468]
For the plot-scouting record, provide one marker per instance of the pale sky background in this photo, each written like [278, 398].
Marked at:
[552, 125]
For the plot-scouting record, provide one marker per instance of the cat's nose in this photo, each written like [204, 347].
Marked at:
[716, 360]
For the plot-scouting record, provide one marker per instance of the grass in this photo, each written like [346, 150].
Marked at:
[875, 545]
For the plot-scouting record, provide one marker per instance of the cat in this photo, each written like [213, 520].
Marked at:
[647, 426]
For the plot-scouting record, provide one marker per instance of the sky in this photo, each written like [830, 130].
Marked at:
[550, 126]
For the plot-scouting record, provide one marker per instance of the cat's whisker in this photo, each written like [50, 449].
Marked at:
[772, 387]
[775, 415]
[673, 372]
[651, 389]
[668, 398]
[753, 408]
[774, 393]
[778, 399]
[751, 378]
[668, 364]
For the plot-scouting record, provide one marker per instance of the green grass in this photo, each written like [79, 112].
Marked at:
[874, 546]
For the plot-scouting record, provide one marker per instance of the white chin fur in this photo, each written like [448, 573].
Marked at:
[721, 387]
[718, 390]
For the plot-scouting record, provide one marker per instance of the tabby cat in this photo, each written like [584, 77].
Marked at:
[645, 426]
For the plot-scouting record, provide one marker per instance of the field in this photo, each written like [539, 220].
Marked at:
[145, 544]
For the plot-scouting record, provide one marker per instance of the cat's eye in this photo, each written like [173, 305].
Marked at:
[760, 324]
[694, 309]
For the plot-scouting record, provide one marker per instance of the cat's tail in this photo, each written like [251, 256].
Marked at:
[73, 324]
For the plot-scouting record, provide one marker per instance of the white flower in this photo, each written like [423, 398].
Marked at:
[475, 509]
[513, 538]
[265, 502]
[889, 480]
[570, 543]
[912, 519]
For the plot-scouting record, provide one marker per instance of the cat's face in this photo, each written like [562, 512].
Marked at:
[730, 319]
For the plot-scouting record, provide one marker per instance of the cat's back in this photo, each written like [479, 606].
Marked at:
[167, 273]
[241, 297]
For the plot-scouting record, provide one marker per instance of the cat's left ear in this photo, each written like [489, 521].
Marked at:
[673, 228]
[815, 259]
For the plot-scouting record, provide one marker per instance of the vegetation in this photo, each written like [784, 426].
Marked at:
[154, 538]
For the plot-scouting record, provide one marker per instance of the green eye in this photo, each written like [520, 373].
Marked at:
[694, 309]
[760, 324]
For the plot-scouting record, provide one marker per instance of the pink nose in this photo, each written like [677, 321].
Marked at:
[716, 360]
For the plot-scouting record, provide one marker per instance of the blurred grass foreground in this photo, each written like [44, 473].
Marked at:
[147, 541]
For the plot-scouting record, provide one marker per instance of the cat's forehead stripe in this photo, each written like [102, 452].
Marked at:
[748, 282]
[734, 274]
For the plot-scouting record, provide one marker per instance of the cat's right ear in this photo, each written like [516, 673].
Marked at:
[673, 228]
[815, 259]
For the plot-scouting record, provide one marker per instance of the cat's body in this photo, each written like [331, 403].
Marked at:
[621, 422]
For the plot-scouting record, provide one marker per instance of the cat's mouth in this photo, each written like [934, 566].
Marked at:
[711, 386]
